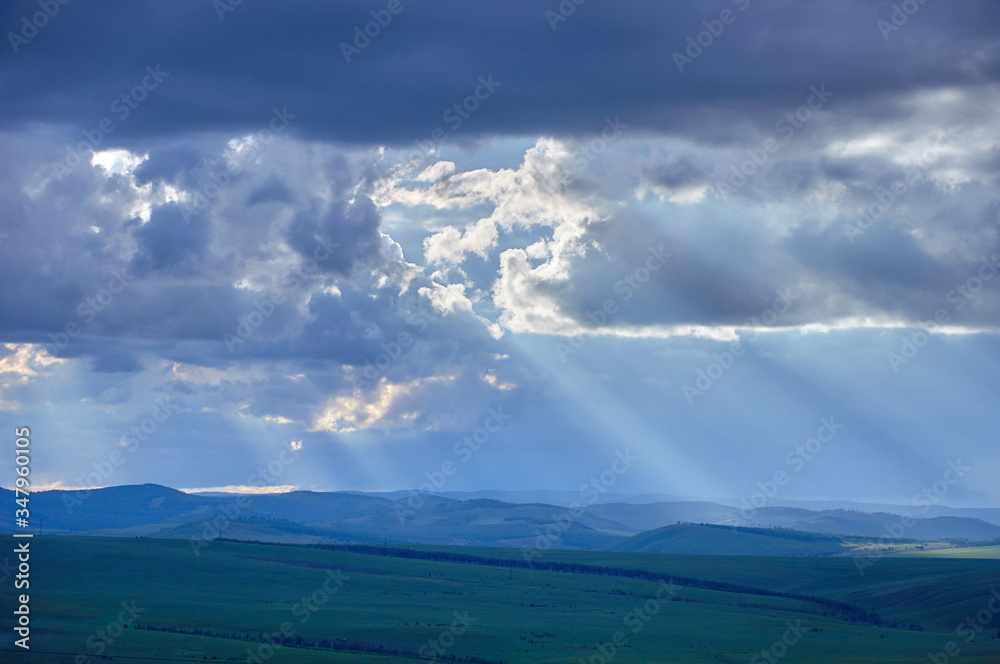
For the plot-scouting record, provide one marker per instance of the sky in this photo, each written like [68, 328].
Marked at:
[748, 246]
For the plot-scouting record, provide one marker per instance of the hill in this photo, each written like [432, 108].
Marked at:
[878, 524]
[306, 516]
[705, 539]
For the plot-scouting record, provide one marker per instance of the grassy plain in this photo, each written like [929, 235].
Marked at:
[234, 590]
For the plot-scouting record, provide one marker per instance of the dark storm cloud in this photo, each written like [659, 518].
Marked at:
[606, 58]
[887, 270]
[730, 262]
[168, 242]
[176, 296]
[80, 269]
[356, 227]
[724, 274]
[355, 326]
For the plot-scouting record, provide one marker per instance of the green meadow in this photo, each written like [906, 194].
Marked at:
[217, 605]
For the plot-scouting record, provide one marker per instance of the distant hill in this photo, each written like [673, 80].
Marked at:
[988, 514]
[642, 517]
[565, 498]
[404, 517]
[549, 497]
[703, 539]
[879, 524]
[304, 516]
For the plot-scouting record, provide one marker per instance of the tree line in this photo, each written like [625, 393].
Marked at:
[320, 643]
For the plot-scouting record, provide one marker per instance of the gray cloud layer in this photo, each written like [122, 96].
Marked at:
[604, 59]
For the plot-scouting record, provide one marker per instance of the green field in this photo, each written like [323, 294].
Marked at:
[238, 591]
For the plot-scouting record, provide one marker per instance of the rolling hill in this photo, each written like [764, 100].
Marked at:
[703, 539]
[305, 516]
